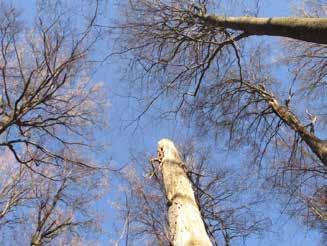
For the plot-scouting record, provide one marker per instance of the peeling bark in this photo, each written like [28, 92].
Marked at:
[185, 223]
[305, 29]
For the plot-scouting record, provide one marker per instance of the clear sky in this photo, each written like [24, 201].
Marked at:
[124, 140]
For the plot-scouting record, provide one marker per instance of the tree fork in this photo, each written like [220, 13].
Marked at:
[305, 29]
[185, 223]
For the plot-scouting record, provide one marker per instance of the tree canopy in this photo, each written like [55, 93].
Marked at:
[240, 91]
[216, 76]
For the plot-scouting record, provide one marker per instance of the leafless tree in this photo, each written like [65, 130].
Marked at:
[63, 210]
[220, 194]
[225, 85]
[44, 211]
[50, 108]
[13, 190]
[48, 100]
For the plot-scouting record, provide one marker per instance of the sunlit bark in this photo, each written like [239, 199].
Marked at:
[305, 29]
[185, 222]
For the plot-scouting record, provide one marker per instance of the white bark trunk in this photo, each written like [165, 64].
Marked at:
[185, 222]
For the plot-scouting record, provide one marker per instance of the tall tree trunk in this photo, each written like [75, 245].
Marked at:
[185, 222]
[305, 29]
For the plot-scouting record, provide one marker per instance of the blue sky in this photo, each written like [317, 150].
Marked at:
[124, 140]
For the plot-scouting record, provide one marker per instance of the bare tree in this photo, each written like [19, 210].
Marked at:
[190, 49]
[62, 211]
[220, 193]
[226, 86]
[13, 192]
[48, 100]
[44, 211]
[50, 107]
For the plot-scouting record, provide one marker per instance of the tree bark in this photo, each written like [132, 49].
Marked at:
[36, 240]
[318, 146]
[185, 223]
[305, 29]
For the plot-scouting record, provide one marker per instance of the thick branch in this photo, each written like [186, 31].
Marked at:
[305, 29]
[318, 146]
